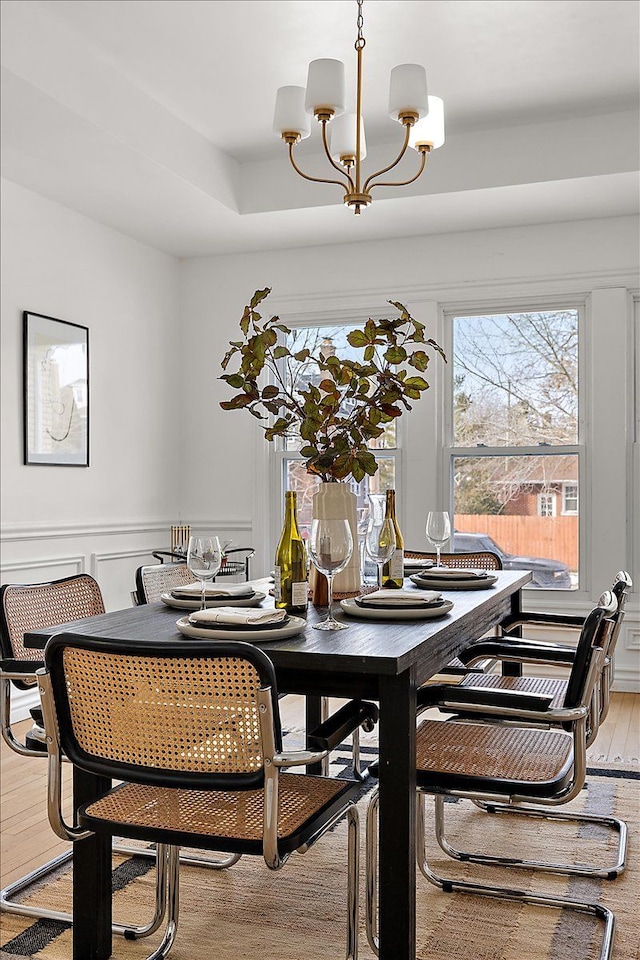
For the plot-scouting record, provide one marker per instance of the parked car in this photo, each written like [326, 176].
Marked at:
[547, 574]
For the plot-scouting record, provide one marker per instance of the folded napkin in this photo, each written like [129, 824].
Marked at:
[441, 573]
[427, 564]
[192, 591]
[401, 598]
[251, 616]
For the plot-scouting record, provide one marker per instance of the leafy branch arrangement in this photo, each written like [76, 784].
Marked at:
[337, 406]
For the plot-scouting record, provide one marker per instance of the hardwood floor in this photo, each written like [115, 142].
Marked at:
[27, 839]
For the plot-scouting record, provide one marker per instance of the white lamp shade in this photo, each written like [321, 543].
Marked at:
[342, 137]
[429, 130]
[290, 115]
[325, 86]
[408, 90]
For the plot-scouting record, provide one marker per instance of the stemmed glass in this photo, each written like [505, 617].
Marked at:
[330, 549]
[380, 542]
[204, 559]
[438, 530]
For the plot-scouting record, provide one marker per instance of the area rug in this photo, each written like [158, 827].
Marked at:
[298, 913]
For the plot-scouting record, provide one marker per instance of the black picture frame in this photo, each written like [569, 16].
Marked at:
[56, 391]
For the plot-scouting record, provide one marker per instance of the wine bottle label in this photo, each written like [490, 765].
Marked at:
[299, 594]
[277, 584]
[396, 566]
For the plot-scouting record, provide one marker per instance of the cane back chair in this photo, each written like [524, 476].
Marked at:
[558, 655]
[25, 607]
[158, 578]
[193, 728]
[508, 744]
[481, 560]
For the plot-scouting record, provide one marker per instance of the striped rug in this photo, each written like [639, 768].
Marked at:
[249, 912]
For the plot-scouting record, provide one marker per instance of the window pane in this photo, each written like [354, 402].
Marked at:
[507, 505]
[296, 478]
[515, 379]
[329, 340]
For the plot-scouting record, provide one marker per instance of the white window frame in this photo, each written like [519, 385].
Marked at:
[566, 512]
[451, 452]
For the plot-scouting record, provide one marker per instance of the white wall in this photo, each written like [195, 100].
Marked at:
[593, 263]
[104, 518]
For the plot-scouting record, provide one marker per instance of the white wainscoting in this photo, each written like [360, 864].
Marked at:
[109, 552]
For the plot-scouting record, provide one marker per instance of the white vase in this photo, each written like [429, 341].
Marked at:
[335, 501]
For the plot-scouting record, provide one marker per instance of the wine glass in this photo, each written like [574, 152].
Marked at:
[330, 549]
[438, 530]
[204, 559]
[380, 542]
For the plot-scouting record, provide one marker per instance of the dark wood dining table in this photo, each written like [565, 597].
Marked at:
[382, 660]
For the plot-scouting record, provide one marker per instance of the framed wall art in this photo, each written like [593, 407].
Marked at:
[56, 391]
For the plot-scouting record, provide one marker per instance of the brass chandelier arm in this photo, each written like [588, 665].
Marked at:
[315, 179]
[344, 173]
[402, 183]
[407, 132]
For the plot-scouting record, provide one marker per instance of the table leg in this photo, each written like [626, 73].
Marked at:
[316, 711]
[514, 669]
[397, 818]
[91, 880]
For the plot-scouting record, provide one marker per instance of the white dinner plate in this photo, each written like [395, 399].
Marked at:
[448, 583]
[255, 635]
[194, 604]
[351, 608]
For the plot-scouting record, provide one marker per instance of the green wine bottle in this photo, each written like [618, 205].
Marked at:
[393, 569]
[290, 576]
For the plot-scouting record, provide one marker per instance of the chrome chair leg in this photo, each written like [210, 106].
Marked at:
[353, 887]
[572, 869]
[8, 905]
[190, 860]
[459, 886]
[170, 857]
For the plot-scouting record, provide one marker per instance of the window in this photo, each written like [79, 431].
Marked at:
[514, 441]
[293, 475]
[569, 498]
[546, 505]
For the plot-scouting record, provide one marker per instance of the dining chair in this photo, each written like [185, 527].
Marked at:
[504, 743]
[514, 649]
[481, 560]
[193, 728]
[158, 578]
[235, 561]
[25, 607]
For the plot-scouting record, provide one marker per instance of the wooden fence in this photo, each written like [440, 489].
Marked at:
[552, 537]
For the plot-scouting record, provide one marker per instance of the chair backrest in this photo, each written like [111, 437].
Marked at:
[180, 714]
[593, 635]
[153, 581]
[482, 559]
[621, 586]
[25, 607]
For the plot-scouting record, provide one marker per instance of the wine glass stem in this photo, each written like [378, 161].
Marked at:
[438, 548]
[204, 595]
[330, 595]
[380, 574]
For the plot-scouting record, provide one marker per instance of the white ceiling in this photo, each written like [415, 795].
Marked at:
[154, 116]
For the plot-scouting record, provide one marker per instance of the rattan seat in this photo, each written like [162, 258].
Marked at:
[545, 686]
[497, 758]
[176, 816]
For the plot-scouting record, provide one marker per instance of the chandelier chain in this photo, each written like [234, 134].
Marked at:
[360, 42]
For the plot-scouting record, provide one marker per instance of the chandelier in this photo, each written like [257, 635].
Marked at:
[422, 117]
